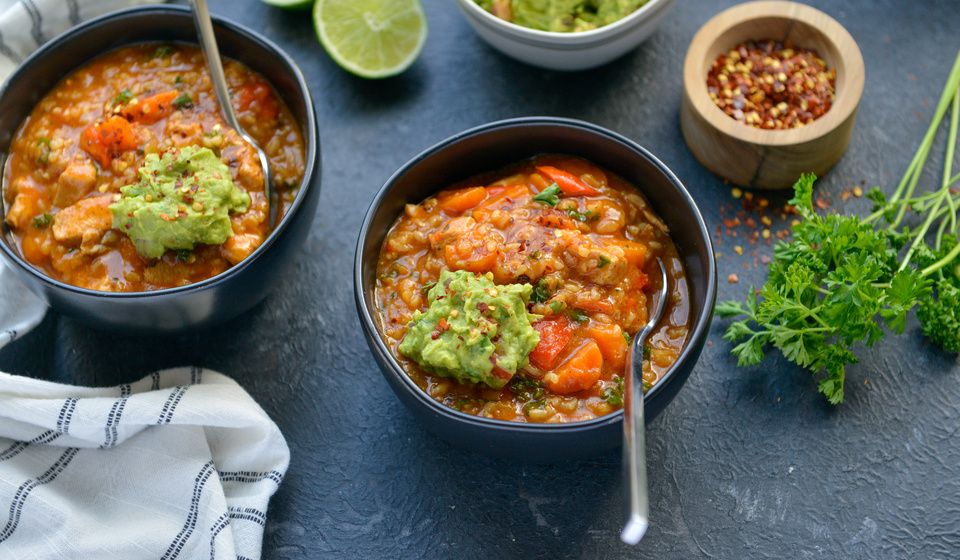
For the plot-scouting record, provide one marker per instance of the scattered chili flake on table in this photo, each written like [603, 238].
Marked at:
[766, 85]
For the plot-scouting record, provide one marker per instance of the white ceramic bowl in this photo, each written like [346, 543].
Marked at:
[566, 51]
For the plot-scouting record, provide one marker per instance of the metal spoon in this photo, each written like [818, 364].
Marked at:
[634, 445]
[208, 44]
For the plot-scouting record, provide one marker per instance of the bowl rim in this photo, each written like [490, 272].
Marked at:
[846, 100]
[558, 38]
[698, 333]
[311, 146]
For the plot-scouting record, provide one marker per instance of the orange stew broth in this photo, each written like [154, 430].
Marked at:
[591, 259]
[88, 136]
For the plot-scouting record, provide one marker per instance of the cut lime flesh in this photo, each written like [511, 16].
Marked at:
[371, 38]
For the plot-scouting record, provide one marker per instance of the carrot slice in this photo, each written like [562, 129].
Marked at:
[611, 342]
[579, 373]
[570, 184]
[496, 195]
[461, 200]
[151, 109]
[634, 252]
[555, 335]
[106, 139]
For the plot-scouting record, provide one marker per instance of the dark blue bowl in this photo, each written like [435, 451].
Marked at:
[213, 300]
[490, 147]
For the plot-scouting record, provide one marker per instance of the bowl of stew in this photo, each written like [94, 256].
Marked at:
[127, 201]
[531, 244]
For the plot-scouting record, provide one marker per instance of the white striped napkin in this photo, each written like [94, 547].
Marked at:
[180, 464]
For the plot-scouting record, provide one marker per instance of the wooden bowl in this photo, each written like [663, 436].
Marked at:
[755, 157]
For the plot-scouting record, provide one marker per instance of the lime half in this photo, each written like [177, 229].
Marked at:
[289, 4]
[371, 38]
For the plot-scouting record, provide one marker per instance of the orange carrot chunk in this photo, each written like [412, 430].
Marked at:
[151, 109]
[555, 334]
[105, 140]
[461, 200]
[570, 184]
[612, 344]
[579, 373]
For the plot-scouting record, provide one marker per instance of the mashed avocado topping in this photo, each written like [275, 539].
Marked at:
[182, 199]
[567, 16]
[471, 325]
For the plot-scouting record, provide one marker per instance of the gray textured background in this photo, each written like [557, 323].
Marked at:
[744, 463]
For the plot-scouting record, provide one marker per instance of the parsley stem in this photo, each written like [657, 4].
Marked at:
[948, 167]
[908, 183]
[947, 259]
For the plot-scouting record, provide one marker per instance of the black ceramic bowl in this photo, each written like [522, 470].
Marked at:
[490, 147]
[203, 303]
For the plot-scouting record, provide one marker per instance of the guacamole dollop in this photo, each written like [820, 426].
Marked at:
[470, 325]
[181, 199]
[566, 16]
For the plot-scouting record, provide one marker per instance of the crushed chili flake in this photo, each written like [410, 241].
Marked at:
[767, 85]
[733, 279]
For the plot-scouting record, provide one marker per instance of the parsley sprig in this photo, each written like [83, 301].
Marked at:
[841, 279]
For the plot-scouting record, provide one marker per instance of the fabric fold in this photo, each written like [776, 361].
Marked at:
[180, 464]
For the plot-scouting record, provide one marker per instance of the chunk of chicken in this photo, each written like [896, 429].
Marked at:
[22, 210]
[602, 264]
[183, 133]
[239, 246]
[76, 182]
[83, 223]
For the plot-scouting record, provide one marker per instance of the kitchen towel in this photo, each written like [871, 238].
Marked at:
[27, 24]
[180, 464]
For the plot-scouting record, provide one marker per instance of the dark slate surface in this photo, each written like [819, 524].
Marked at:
[742, 464]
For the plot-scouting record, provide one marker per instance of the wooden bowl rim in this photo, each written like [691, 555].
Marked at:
[846, 101]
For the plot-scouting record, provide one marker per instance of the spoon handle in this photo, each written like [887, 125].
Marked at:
[634, 445]
[208, 42]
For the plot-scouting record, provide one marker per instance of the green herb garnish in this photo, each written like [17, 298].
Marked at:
[183, 100]
[123, 97]
[428, 286]
[614, 395]
[541, 292]
[549, 196]
[603, 261]
[556, 306]
[42, 221]
[579, 316]
[163, 51]
[587, 216]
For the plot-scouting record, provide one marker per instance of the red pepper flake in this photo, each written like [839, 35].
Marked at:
[768, 85]
[733, 279]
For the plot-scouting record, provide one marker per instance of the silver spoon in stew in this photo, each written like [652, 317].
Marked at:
[208, 44]
[634, 444]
